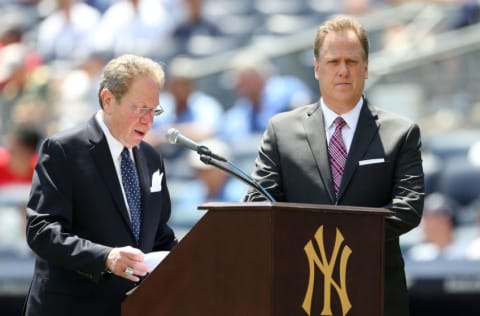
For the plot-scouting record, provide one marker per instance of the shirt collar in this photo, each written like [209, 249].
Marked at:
[115, 146]
[351, 117]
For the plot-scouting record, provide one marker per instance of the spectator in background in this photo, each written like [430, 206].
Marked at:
[18, 158]
[195, 22]
[219, 185]
[65, 33]
[438, 228]
[469, 13]
[10, 33]
[194, 113]
[17, 164]
[15, 21]
[77, 88]
[20, 79]
[261, 95]
[134, 26]
[472, 248]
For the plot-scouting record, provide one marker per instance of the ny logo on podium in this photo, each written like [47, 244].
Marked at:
[327, 267]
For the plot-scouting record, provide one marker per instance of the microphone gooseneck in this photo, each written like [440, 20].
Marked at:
[208, 157]
[238, 173]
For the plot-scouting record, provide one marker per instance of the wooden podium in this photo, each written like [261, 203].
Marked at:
[263, 258]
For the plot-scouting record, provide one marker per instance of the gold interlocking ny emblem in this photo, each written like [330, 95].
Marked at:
[326, 267]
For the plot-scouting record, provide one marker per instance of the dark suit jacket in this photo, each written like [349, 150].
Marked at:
[75, 215]
[293, 165]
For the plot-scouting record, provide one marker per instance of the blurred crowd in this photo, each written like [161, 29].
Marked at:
[450, 225]
[52, 52]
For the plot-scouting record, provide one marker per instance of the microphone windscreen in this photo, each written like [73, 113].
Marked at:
[172, 135]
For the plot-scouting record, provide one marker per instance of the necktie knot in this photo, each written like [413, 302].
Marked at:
[125, 154]
[339, 123]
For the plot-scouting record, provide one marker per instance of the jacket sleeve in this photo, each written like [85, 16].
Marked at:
[408, 187]
[267, 170]
[49, 217]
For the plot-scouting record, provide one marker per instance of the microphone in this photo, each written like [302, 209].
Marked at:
[209, 158]
[175, 137]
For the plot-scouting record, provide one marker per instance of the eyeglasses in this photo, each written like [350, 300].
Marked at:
[141, 111]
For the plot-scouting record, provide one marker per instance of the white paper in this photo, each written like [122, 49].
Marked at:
[153, 259]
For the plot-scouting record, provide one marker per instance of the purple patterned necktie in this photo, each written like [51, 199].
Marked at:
[338, 154]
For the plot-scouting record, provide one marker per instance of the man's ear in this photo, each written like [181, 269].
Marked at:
[315, 67]
[107, 100]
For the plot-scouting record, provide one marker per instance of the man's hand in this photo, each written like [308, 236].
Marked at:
[127, 262]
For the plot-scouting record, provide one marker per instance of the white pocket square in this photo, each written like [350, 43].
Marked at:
[370, 161]
[156, 181]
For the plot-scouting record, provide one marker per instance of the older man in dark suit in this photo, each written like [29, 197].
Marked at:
[344, 151]
[99, 200]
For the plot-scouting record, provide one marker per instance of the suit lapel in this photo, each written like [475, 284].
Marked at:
[367, 128]
[106, 168]
[315, 130]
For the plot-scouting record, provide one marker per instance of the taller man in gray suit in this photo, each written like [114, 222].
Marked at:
[100, 200]
[367, 157]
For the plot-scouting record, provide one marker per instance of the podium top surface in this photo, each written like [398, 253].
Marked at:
[296, 206]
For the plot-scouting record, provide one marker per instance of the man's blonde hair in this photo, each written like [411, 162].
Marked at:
[341, 23]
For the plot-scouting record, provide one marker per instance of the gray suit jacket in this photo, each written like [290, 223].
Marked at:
[293, 166]
[75, 215]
